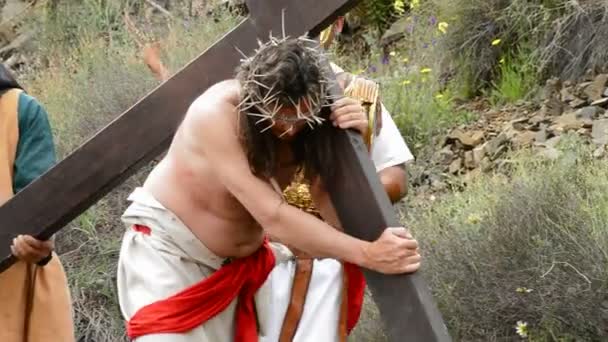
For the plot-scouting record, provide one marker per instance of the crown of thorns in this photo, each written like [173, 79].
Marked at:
[265, 100]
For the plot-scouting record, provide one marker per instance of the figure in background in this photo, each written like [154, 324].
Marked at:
[35, 303]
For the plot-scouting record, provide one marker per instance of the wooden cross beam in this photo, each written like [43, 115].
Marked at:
[145, 130]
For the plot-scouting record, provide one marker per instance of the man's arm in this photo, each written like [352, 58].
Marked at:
[390, 154]
[211, 132]
[394, 181]
[389, 151]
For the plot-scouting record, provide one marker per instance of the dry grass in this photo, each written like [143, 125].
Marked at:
[532, 248]
[545, 231]
[576, 41]
[102, 76]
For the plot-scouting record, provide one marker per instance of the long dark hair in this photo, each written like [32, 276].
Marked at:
[7, 80]
[292, 70]
[313, 149]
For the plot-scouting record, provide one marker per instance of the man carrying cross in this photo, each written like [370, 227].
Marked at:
[196, 237]
[308, 290]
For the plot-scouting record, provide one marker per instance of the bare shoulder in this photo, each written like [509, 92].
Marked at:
[211, 122]
[218, 103]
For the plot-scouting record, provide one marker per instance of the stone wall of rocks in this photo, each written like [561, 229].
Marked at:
[480, 147]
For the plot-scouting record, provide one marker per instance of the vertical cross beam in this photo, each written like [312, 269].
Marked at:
[146, 129]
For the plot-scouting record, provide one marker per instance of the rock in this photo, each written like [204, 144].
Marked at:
[541, 136]
[577, 103]
[599, 133]
[499, 152]
[523, 139]
[438, 185]
[455, 166]
[587, 113]
[584, 132]
[537, 119]
[579, 89]
[16, 43]
[519, 123]
[549, 153]
[552, 107]
[494, 145]
[12, 8]
[567, 122]
[552, 142]
[477, 137]
[469, 160]
[599, 152]
[552, 88]
[470, 176]
[486, 164]
[566, 95]
[601, 102]
[588, 76]
[606, 92]
[445, 156]
[479, 153]
[596, 89]
[468, 140]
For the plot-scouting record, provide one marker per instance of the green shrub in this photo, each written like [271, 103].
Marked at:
[419, 109]
[516, 78]
[575, 41]
[566, 36]
[532, 248]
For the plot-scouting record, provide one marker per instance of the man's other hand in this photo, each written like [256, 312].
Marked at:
[349, 113]
[29, 249]
[394, 252]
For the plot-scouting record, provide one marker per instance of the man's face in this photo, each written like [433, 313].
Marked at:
[287, 125]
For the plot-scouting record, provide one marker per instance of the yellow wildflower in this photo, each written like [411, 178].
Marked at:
[496, 41]
[502, 61]
[405, 60]
[406, 82]
[439, 96]
[442, 27]
[521, 328]
[474, 219]
[399, 6]
[523, 290]
[392, 53]
[425, 70]
[414, 3]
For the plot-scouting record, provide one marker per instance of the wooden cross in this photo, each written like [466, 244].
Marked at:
[145, 130]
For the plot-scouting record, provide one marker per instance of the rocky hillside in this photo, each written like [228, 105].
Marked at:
[14, 35]
[479, 147]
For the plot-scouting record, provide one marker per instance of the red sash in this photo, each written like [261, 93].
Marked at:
[200, 302]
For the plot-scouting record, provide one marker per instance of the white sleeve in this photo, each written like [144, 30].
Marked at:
[389, 148]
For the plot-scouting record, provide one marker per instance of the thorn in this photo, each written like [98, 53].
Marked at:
[241, 52]
[283, 22]
[268, 127]
[287, 131]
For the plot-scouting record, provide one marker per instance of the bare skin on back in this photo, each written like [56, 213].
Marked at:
[205, 179]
